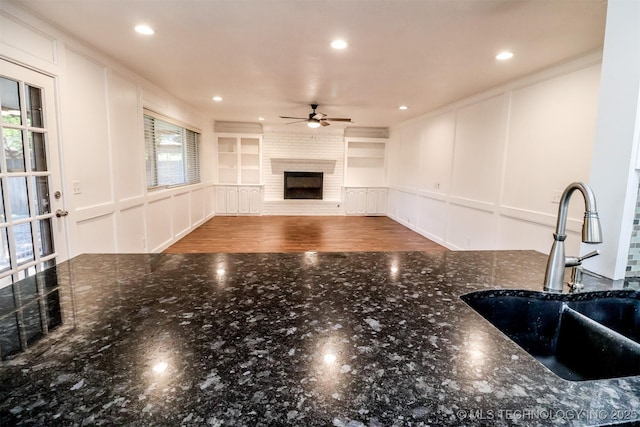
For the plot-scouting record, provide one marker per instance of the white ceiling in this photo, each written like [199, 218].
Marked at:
[272, 57]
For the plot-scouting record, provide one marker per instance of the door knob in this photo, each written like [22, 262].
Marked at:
[61, 212]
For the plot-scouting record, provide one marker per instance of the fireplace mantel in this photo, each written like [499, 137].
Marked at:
[280, 165]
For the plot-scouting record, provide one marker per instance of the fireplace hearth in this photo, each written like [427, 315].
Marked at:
[303, 185]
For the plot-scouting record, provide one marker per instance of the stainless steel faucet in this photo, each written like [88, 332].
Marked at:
[591, 233]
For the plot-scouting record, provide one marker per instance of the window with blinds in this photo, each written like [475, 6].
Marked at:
[172, 153]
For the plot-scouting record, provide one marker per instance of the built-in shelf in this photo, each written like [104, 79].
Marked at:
[239, 159]
[250, 146]
[366, 149]
[365, 161]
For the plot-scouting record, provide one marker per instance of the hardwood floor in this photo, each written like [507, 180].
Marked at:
[301, 234]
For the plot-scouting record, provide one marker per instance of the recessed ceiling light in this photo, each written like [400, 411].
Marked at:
[217, 98]
[403, 107]
[339, 44]
[503, 56]
[144, 29]
[261, 118]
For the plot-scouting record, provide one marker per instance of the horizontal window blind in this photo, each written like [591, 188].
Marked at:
[172, 153]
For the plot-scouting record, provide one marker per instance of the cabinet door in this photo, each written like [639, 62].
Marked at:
[232, 200]
[356, 201]
[221, 200]
[361, 201]
[372, 202]
[350, 201]
[243, 201]
[376, 201]
[255, 200]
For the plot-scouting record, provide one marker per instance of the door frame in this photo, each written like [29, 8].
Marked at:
[49, 85]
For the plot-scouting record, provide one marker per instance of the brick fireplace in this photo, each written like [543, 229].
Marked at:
[309, 151]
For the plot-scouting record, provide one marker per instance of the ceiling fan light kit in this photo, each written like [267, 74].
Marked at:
[316, 119]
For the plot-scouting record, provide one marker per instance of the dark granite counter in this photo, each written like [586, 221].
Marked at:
[329, 339]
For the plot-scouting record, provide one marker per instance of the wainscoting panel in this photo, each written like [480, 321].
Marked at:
[471, 228]
[432, 219]
[181, 216]
[97, 235]
[131, 230]
[158, 216]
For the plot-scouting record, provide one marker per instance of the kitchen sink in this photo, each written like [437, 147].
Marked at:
[622, 314]
[586, 336]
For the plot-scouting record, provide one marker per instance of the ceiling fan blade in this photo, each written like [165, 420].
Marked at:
[318, 117]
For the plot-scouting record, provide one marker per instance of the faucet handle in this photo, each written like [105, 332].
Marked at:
[572, 261]
[589, 255]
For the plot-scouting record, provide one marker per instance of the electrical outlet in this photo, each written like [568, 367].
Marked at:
[555, 196]
[76, 187]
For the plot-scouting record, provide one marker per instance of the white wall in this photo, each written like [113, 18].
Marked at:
[102, 143]
[616, 161]
[481, 174]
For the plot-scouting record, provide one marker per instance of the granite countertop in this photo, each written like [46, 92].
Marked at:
[309, 339]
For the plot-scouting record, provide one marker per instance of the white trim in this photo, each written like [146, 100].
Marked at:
[149, 112]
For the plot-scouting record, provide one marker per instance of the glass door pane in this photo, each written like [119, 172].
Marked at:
[10, 101]
[18, 199]
[41, 202]
[37, 151]
[34, 107]
[13, 149]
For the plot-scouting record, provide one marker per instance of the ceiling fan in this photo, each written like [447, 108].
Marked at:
[316, 119]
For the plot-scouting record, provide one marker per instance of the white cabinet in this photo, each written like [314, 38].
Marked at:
[365, 201]
[239, 158]
[226, 199]
[249, 200]
[238, 200]
[376, 201]
[365, 162]
[355, 201]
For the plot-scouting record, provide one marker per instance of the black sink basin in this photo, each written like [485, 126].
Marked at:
[577, 336]
[620, 313]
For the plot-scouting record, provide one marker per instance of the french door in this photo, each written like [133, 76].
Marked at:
[32, 227]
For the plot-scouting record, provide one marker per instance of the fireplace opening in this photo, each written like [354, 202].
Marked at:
[303, 185]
